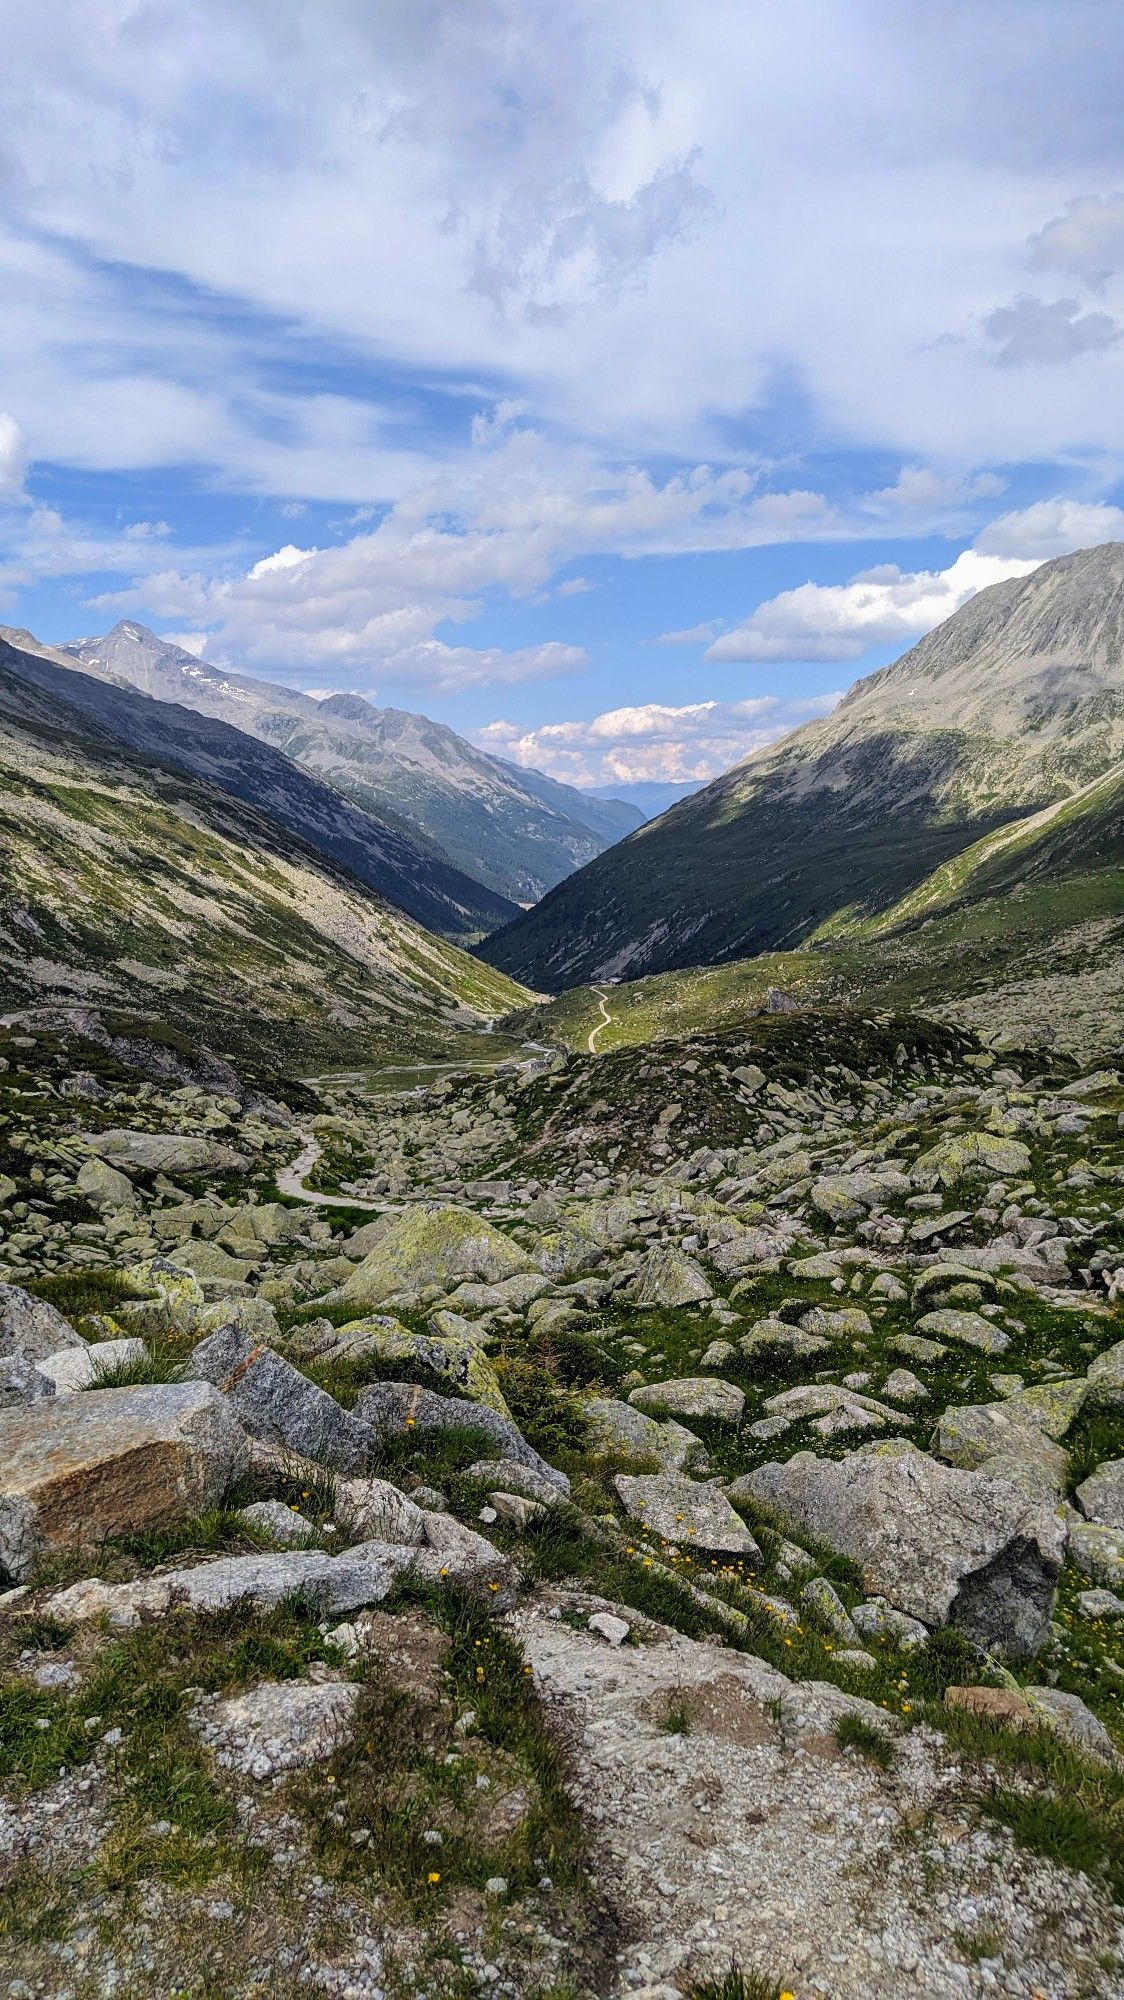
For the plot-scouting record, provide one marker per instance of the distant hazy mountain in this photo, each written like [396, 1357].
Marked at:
[393, 860]
[1015, 701]
[516, 831]
[650, 796]
[161, 901]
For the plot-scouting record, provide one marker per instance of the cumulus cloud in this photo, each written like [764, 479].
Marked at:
[1029, 330]
[1086, 241]
[655, 740]
[843, 621]
[1052, 528]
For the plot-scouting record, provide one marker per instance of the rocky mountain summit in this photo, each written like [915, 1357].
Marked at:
[1013, 703]
[633, 1524]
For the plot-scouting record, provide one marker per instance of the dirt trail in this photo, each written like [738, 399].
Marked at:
[606, 1017]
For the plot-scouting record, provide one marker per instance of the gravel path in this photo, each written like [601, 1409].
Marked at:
[606, 1017]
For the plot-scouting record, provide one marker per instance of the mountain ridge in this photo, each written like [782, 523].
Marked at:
[852, 811]
[518, 832]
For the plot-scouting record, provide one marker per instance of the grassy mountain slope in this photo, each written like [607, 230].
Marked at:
[1015, 701]
[417, 878]
[1022, 932]
[517, 832]
[130, 887]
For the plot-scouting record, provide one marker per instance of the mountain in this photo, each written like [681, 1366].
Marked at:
[651, 796]
[405, 870]
[516, 831]
[145, 892]
[1016, 701]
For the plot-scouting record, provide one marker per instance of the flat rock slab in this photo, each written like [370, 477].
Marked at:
[276, 1403]
[690, 1396]
[685, 1512]
[943, 1545]
[78, 1469]
[967, 1329]
[331, 1583]
[277, 1727]
[750, 1838]
[166, 1152]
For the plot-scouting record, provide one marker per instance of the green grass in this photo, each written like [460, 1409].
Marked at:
[1052, 1801]
[852, 1733]
[735, 1985]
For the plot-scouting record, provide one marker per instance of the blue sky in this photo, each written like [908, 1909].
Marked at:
[614, 382]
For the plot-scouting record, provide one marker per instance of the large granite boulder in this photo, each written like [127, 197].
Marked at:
[943, 1545]
[77, 1469]
[427, 1247]
[669, 1278]
[387, 1409]
[1101, 1496]
[965, 1155]
[691, 1396]
[618, 1427]
[167, 1152]
[273, 1401]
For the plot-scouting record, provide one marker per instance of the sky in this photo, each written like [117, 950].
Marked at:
[613, 382]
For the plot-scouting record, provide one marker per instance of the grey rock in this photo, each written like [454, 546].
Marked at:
[31, 1327]
[284, 1526]
[943, 1545]
[1101, 1496]
[987, 1437]
[1068, 1717]
[902, 1386]
[1100, 1604]
[84, 1367]
[328, 1583]
[372, 1510]
[272, 1400]
[22, 1382]
[1105, 1376]
[669, 1278]
[691, 1396]
[103, 1187]
[685, 1512]
[514, 1477]
[878, 1619]
[386, 1409]
[277, 1727]
[167, 1152]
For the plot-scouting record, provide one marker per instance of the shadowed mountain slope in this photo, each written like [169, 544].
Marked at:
[1014, 702]
[389, 859]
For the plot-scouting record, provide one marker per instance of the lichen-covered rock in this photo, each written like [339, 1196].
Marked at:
[372, 1510]
[1098, 1552]
[966, 1154]
[691, 1396]
[276, 1523]
[79, 1469]
[617, 1426]
[272, 1400]
[989, 1437]
[104, 1187]
[460, 1359]
[432, 1246]
[685, 1512]
[943, 1545]
[669, 1278]
[967, 1329]
[1105, 1377]
[167, 1152]
[1101, 1496]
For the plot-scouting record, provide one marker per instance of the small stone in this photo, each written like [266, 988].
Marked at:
[610, 1628]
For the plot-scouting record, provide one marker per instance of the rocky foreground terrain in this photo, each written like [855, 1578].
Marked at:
[647, 1523]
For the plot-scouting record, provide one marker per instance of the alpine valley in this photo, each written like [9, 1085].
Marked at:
[566, 1453]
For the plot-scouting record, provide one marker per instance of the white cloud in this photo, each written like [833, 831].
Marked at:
[655, 740]
[843, 621]
[1052, 528]
[13, 458]
[690, 635]
[1086, 240]
[1029, 330]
